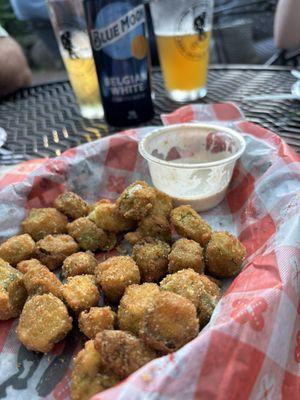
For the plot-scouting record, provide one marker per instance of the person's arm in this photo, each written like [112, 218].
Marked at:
[287, 25]
[14, 70]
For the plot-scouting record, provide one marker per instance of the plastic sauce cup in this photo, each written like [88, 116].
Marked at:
[193, 163]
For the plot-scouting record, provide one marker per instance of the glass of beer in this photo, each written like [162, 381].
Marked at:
[69, 24]
[183, 29]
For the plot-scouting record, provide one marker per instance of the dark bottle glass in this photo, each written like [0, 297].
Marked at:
[117, 32]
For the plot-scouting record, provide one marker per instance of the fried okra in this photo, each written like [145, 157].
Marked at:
[186, 283]
[72, 205]
[81, 292]
[26, 265]
[199, 289]
[115, 274]
[122, 352]
[44, 321]
[12, 291]
[162, 205]
[90, 237]
[136, 201]
[190, 225]
[169, 322]
[156, 226]
[17, 248]
[52, 250]
[210, 296]
[101, 201]
[156, 223]
[89, 375]
[185, 254]
[41, 222]
[79, 264]
[134, 304]
[107, 217]
[151, 257]
[39, 280]
[224, 255]
[95, 320]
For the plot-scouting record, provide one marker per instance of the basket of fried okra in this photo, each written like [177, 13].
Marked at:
[155, 300]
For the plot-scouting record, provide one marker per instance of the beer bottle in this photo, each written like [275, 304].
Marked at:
[117, 30]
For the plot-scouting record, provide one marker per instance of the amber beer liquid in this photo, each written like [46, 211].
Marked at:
[183, 30]
[84, 81]
[68, 21]
[184, 60]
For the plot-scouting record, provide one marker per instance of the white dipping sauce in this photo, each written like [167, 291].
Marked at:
[202, 203]
[204, 156]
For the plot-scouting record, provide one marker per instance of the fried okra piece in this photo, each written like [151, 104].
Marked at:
[44, 321]
[156, 223]
[52, 250]
[151, 256]
[89, 375]
[72, 205]
[115, 274]
[162, 205]
[26, 265]
[190, 225]
[156, 226]
[134, 304]
[81, 292]
[110, 243]
[101, 201]
[185, 254]
[107, 217]
[136, 201]
[210, 297]
[17, 248]
[224, 255]
[12, 291]
[122, 352]
[90, 237]
[199, 289]
[169, 323]
[96, 320]
[39, 280]
[79, 264]
[41, 222]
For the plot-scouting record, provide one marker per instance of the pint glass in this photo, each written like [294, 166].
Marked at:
[183, 29]
[69, 24]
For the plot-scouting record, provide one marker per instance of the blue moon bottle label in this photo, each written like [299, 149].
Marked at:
[117, 32]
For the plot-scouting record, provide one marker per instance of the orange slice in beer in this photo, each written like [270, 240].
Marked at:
[139, 47]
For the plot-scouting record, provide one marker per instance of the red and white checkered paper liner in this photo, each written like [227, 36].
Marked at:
[251, 348]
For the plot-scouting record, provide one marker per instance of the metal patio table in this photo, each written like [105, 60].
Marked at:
[44, 120]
